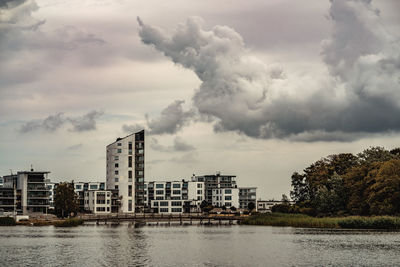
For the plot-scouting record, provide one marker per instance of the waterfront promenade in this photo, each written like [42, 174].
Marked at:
[152, 218]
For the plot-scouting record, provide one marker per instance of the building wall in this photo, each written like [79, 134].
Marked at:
[247, 195]
[215, 181]
[228, 197]
[98, 201]
[125, 171]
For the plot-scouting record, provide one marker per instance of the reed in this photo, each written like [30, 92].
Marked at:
[7, 221]
[301, 220]
[71, 222]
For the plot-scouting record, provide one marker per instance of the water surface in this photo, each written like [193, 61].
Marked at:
[126, 245]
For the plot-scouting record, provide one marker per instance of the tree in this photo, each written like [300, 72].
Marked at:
[233, 208]
[374, 154]
[251, 206]
[66, 201]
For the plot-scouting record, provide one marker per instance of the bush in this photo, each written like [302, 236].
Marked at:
[69, 223]
[7, 221]
[381, 222]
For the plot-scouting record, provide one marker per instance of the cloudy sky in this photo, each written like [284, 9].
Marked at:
[258, 89]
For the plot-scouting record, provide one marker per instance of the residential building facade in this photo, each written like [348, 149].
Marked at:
[215, 181]
[125, 171]
[247, 195]
[228, 197]
[97, 201]
[31, 190]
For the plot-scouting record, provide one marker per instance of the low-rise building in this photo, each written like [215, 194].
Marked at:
[82, 187]
[173, 197]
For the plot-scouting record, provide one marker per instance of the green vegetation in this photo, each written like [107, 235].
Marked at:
[69, 222]
[7, 221]
[66, 201]
[301, 220]
[365, 184]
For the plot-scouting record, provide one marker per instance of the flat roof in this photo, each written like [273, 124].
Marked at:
[120, 138]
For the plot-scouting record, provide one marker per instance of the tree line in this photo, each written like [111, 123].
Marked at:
[367, 183]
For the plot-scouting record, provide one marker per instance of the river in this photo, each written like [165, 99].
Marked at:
[126, 245]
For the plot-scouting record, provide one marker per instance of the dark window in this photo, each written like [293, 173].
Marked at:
[129, 174]
[129, 190]
[130, 145]
[116, 165]
[130, 162]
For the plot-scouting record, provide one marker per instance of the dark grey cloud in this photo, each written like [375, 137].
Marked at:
[361, 95]
[171, 120]
[179, 145]
[86, 122]
[49, 124]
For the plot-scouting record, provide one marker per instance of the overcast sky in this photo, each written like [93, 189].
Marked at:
[258, 89]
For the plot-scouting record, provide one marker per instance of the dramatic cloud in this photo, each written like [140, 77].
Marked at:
[172, 119]
[360, 96]
[133, 128]
[178, 145]
[49, 124]
[86, 122]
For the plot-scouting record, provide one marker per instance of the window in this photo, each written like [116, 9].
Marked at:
[93, 186]
[164, 203]
[129, 174]
[199, 192]
[228, 191]
[119, 144]
[176, 203]
[116, 187]
[140, 172]
[78, 186]
[130, 162]
[141, 180]
[199, 185]
[159, 192]
[176, 192]
[116, 179]
[116, 158]
[141, 151]
[116, 165]
[155, 203]
[100, 209]
[159, 198]
[228, 197]
[176, 185]
[199, 198]
[129, 179]
[130, 145]
[163, 209]
[129, 190]
[116, 172]
[159, 185]
[176, 210]
[129, 205]
[119, 150]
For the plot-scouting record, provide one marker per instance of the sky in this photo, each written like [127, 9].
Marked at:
[256, 89]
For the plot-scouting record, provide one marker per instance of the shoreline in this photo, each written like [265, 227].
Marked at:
[344, 222]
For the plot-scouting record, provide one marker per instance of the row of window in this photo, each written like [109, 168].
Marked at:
[172, 210]
[175, 192]
[226, 198]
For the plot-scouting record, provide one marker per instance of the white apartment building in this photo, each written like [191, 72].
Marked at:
[228, 197]
[125, 171]
[174, 197]
[97, 201]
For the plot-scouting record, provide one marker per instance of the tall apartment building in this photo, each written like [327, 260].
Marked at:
[125, 171]
[215, 181]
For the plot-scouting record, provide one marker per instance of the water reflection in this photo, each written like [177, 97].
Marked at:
[128, 245]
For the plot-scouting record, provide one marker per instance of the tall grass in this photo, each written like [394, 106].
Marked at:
[69, 222]
[7, 221]
[301, 220]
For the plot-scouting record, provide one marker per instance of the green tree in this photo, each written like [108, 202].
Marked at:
[384, 195]
[251, 206]
[374, 154]
[65, 200]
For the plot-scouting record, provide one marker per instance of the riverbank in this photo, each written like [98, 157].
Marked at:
[9, 221]
[301, 220]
